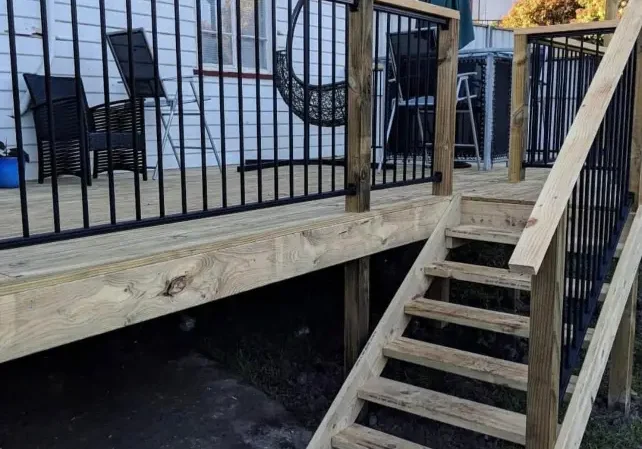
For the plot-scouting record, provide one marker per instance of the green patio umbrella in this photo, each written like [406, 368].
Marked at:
[466, 31]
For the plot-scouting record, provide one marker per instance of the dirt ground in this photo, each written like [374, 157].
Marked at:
[142, 388]
[258, 370]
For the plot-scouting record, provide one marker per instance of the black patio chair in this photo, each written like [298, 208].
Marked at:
[68, 132]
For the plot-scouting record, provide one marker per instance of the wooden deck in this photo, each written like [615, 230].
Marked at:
[61, 292]
[467, 181]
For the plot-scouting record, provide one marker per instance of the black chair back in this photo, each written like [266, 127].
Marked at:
[61, 87]
[65, 106]
[145, 82]
[415, 55]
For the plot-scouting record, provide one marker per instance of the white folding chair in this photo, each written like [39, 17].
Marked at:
[426, 101]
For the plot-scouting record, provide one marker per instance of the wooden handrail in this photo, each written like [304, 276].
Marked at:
[420, 7]
[568, 28]
[553, 199]
[597, 356]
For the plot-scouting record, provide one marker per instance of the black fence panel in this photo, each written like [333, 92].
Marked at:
[597, 212]
[561, 70]
[160, 112]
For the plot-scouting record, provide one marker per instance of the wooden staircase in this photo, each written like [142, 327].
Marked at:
[365, 383]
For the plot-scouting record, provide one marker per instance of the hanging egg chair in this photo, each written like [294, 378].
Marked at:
[326, 103]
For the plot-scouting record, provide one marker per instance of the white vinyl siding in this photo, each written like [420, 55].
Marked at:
[29, 46]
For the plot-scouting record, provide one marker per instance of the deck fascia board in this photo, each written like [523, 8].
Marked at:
[51, 310]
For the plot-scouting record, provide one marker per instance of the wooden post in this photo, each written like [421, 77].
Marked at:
[636, 141]
[545, 345]
[519, 110]
[621, 374]
[357, 272]
[446, 111]
[612, 7]
[440, 291]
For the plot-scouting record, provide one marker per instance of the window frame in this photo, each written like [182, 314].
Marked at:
[233, 68]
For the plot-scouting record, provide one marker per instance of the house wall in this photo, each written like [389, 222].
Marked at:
[491, 10]
[490, 37]
[29, 44]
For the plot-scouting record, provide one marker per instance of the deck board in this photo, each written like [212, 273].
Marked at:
[60, 292]
[63, 256]
[467, 181]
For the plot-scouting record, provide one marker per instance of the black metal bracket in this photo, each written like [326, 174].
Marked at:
[351, 190]
[437, 176]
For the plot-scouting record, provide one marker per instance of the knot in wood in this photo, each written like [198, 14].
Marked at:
[175, 286]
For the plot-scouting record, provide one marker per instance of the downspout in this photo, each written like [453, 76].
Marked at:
[25, 99]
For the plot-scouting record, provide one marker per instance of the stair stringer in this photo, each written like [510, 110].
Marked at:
[346, 406]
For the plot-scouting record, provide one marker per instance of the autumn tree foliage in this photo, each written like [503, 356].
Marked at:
[529, 13]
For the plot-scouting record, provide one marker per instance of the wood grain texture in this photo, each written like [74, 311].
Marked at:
[519, 110]
[612, 7]
[545, 346]
[550, 206]
[440, 289]
[489, 320]
[484, 234]
[479, 274]
[359, 140]
[446, 109]
[420, 7]
[489, 184]
[358, 159]
[360, 437]
[636, 137]
[462, 363]
[504, 215]
[346, 405]
[622, 355]
[566, 28]
[446, 409]
[590, 377]
[92, 301]
[356, 323]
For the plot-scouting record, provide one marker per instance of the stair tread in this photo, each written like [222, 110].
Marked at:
[446, 409]
[455, 361]
[499, 277]
[485, 234]
[505, 323]
[361, 437]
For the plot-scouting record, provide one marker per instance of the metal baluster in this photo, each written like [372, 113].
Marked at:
[51, 129]
[158, 113]
[24, 211]
[81, 109]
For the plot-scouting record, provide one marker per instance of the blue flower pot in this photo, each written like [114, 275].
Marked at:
[9, 173]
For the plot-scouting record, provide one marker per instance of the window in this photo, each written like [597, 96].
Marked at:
[229, 33]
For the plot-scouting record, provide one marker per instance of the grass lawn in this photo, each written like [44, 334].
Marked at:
[610, 429]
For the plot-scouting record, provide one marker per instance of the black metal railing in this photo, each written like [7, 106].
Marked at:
[404, 101]
[561, 69]
[246, 108]
[596, 215]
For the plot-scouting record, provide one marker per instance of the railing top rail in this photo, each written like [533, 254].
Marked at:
[553, 199]
[569, 28]
[420, 7]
